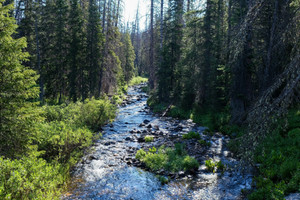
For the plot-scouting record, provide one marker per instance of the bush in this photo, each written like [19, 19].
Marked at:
[137, 80]
[204, 143]
[163, 180]
[59, 135]
[30, 178]
[191, 135]
[190, 163]
[210, 165]
[60, 140]
[173, 160]
[149, 138]
[278, 154]
[95, 113]
[92, 113]
[221, 166]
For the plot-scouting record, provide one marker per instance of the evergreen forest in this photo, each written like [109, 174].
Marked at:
[67, 67]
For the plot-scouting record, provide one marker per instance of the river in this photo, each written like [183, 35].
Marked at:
[109, 172]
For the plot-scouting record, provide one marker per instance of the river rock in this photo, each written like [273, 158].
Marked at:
[141, 125]
[92, 157]
[146, 121]
[109, 143]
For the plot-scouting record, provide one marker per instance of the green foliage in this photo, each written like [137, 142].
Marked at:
[17, 88]
[137, 80]
[169, 159]
[210, 165]
[178, 112]
[145, 89]
[61, 140]
[95, 113]
[129, 57]
[30, 177]
[204, 143]
[221, 166]
[149, 138]
[191, 135]
[278, 155]
[163, 180]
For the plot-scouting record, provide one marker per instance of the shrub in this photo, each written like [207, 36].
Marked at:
[190, 163]
[178, 112]
[59, 139]
[163, 180]
[137, 80]
[149, 138]
[191, 135]
[210, 165]
[140, 154]
[30, 178]
[204, 143]
[221, 166]
[169, 159]
[278, 154]
[95, 113]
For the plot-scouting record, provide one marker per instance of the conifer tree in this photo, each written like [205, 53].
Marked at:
[17, 86]
[129, 57]
[77, 71]
[94, 46]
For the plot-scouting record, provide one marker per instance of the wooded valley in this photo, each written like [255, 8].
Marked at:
[66, 66]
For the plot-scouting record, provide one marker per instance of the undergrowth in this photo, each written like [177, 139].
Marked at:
[191, 135]
[172, 160]
[279, 159]
[137, 80]
[55, 145]
[214, 120]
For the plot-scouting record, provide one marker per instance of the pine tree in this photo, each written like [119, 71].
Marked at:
[77, 75]
[94, 46]
[17, 86]
[168, 73]
[129, 57]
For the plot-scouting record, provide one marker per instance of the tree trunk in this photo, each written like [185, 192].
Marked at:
[161, 24]
[151, 67]
[38, 55]
[268, 72]
[104, 16]
[118, 10]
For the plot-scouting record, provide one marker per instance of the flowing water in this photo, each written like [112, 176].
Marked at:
[108, 173]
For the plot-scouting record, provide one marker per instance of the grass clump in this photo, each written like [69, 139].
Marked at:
[191, 135]
[149, 138]
[212, 166]
[279, 159]
[204, 143]
[137, 80]
[162, 179]
[172, 160]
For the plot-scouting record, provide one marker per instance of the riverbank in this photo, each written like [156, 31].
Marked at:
[113, 172]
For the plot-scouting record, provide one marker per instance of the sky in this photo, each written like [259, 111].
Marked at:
[130, 7]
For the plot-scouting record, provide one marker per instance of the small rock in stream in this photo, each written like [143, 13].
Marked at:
[146, 121]
[92, 157]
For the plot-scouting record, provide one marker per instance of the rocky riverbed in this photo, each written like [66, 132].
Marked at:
[111, 171]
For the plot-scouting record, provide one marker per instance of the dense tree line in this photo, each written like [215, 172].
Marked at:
[75, 46]
[59, 60]
[222, 55]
